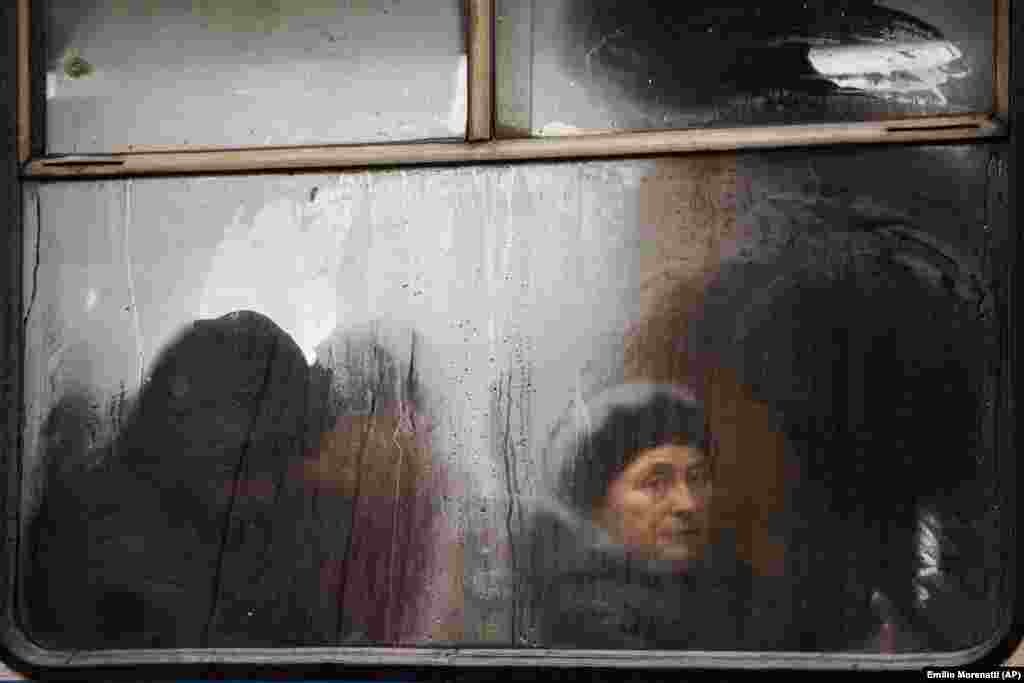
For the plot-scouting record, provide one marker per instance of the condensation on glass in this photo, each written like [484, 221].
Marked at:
[576, 66]
[124, 75]
[390, 408]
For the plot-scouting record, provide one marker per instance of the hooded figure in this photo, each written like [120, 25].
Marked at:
[847, 359]
[248, 500]
[621, 550]
[871, 347]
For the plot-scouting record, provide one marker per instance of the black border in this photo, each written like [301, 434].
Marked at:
[22, 656]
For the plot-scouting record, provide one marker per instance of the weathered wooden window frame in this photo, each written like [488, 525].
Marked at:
[480, 144]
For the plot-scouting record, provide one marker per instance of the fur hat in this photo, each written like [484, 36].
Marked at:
[599, 437]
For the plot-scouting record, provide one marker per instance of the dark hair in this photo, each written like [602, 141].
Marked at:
[872, 349]
[609, 431]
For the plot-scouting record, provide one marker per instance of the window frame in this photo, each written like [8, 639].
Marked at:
[480, 147]
[481, 144]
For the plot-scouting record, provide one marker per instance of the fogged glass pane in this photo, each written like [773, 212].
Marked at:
[696, 403]
[574, 66]
[243, 73]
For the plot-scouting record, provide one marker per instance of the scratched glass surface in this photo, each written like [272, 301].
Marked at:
[574, 66]
[368, 409]
[129, 75]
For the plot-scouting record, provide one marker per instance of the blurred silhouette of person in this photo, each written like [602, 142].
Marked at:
[621, 551]
[859, 352]
[377, 454]
[247, 500]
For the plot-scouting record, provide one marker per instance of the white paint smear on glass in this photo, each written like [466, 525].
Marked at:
[283, 265]
[459, 111]
[891, 70]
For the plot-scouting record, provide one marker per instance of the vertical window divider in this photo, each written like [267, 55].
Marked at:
[1001, 46]
[480, 49]
[24, 51]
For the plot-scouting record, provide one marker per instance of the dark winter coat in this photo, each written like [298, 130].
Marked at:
[587, 591]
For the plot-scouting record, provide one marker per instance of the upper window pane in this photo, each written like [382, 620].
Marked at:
[571, 66]
[124, 75]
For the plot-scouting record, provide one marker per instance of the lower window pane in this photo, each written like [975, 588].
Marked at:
[735, 402]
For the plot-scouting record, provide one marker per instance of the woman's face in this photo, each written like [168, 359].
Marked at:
[659, 504]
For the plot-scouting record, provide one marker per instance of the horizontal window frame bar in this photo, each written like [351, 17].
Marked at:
[476, 657]
[962, 128]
